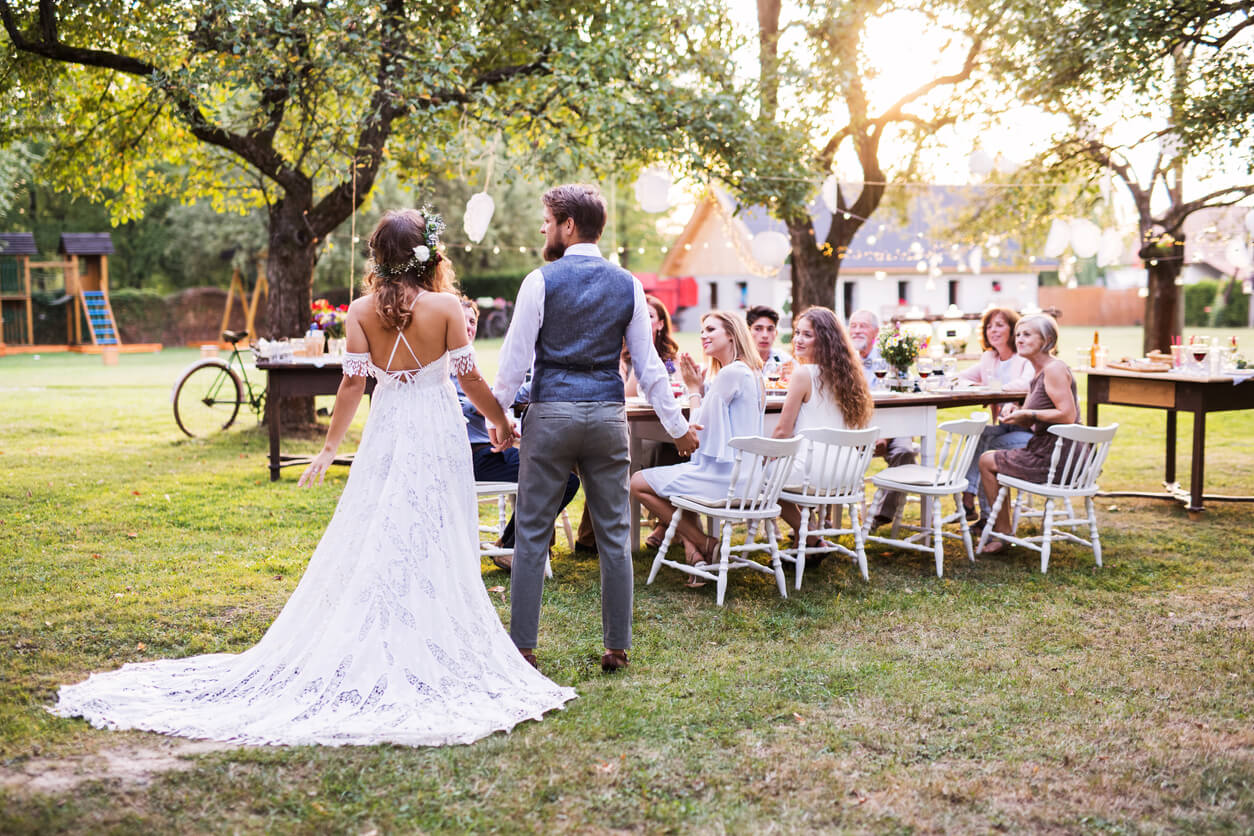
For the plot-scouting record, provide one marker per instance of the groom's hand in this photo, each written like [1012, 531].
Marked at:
[502, 437]
[687, 443]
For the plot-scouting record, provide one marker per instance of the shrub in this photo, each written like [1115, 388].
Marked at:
[1197, 298]
[1231, 306]
[142, 315]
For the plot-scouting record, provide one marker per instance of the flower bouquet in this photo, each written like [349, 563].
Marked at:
[900, 348]
[328, 319]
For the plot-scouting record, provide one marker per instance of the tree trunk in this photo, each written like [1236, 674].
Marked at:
[814, 274]
[1164, 313]
[289, 270]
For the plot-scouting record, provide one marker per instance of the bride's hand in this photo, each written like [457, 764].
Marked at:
[502, 437]
[317, 470]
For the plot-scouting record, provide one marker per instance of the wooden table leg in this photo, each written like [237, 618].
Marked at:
[636, 447]
[273, 390]
[1199, 465]
[1169, 472]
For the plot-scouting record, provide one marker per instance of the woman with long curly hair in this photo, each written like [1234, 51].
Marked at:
[390, 636]
[663, 341]
[828, 389]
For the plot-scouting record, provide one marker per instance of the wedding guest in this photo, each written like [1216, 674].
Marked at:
[1051, 400]
[493, 465]
[663, 341]
[731, 405]
[864, 329]
[998, 363]
[828, 389]
[763, 325]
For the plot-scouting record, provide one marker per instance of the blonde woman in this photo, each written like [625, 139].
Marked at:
[731, 405]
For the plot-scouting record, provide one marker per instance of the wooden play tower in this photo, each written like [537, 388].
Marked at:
[87, 283]
[16, 311]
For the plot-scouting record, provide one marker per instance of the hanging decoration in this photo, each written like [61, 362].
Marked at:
[770, 248]
[653, 188]
[1085, 237]
[828, 192]
[851, 192]
[976, 259]
[479, 210]
[1058, 238]
[1109, 248]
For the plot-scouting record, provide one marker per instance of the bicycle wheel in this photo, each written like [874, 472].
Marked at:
[207, 398]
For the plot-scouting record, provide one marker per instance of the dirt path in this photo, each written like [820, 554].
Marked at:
[131, 765]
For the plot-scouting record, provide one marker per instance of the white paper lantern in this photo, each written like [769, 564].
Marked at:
[828, 192]
[976, 259]
[770, 248]
[478, 215]
[1085, 236]
[1059, 236]
[1237, 254]
[980, 162]
[653, 190]
[1110, 248]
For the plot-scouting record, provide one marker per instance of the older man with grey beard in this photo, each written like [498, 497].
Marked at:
[864, 328]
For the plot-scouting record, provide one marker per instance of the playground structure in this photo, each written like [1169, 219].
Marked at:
[90, 326]
[249, 305]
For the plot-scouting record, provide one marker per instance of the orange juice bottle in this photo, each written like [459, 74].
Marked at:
[1093, 351]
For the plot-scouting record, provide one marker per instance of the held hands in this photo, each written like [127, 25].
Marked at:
[687, 443]
[317, 470]
[503, 437]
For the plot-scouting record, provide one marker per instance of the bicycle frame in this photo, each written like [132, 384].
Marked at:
[256, 400]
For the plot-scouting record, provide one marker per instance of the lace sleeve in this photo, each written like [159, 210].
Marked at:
[356, 365]
[462, 360]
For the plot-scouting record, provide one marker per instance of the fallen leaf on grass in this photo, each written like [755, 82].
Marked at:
[141, 646]
[278, 577]
[499, 590]
[95, 556]
[47, 623]
[134, 493]
[132, 535]
[801, 721]
[607, 768]
[1113, 508]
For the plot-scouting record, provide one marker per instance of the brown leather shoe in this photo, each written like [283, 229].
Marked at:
[613, 661]
[503, 561]
[530, 656]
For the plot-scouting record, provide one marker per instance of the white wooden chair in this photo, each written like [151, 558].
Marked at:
[762, 465]
[1073, 471]
[947, 478]
[504, 494]
[835, 470]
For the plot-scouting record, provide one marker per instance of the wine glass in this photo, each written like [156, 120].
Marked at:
[923, 365]
[879, 367]
[1200, 348]
[950, 368]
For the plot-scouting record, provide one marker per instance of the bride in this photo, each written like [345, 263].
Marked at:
[390, 637]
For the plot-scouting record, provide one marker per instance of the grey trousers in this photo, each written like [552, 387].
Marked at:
[558, 438]
[900, 451]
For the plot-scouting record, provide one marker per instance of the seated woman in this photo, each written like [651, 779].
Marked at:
[731, 405]
[998, 364]
[828, 389]
[665, 344]
[1051, 400]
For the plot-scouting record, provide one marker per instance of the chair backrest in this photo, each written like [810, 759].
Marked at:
[836, 460]
[1079, 454]
[762, 465]
[961, 438]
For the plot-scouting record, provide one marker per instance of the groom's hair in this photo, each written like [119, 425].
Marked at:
[583, 204]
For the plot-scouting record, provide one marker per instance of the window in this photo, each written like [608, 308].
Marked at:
[742, 293]
[903, 292]
[953, 291]
[848, 299]
[714, 296]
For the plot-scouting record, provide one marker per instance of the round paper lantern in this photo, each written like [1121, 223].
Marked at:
[770, 248]
[478, 215]
[827, 192]
[653, 191]
[980, 162]
[1056, 241]
[1110, 248]
[1237, 253]
[1085, 236]
[976, 258]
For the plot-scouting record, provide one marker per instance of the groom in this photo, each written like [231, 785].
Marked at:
[571, 318]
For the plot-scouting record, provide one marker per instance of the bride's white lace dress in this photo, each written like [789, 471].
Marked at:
[390, 637]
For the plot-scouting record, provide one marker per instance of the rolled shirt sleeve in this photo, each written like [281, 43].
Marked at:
[653, 379]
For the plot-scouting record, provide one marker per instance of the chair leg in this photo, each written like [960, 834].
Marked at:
[724, 552]
[1017, 513]
[666, 544]
[859, 542]
[938, 541]
[570, 537]
[1090, 506]
[992, 516]
[777, 562]
[1047, 534]
[501, 516]
[801, 543]
[966, 528]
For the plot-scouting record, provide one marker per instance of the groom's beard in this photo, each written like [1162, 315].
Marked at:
[554, 251]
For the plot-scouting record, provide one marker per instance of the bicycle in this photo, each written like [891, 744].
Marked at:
[208, 395]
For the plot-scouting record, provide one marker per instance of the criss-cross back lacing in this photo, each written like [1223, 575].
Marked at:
[462, 361]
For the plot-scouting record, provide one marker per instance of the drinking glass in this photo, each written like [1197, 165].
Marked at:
[879, 367]
[923, 365]
[1200, 350]
[950, 365]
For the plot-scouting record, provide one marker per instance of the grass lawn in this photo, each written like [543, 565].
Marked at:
[1085, 700]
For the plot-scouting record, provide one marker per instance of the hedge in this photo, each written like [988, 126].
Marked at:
[1197, 298]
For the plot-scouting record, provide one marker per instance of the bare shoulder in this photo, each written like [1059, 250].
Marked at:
[362, 305]
[1057, 372]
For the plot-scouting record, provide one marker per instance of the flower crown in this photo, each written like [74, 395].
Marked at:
[425, 254]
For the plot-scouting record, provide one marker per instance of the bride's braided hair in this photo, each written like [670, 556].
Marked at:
[403, 255]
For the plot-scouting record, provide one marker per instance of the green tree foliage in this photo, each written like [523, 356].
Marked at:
[294, 106]
[1181, 68]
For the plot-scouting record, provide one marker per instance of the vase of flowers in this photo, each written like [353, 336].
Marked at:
[899, 349]
[328, 319]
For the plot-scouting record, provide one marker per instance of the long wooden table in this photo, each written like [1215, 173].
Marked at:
[902, 415]
[301, 378]
[1173, 393]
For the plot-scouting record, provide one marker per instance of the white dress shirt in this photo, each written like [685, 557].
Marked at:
[519, 349]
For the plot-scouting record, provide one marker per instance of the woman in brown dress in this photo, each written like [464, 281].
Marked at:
[1051, 400]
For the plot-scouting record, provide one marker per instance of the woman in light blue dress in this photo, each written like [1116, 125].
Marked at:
[730, 405]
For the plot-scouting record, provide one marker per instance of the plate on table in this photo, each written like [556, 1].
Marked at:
[885, 393]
